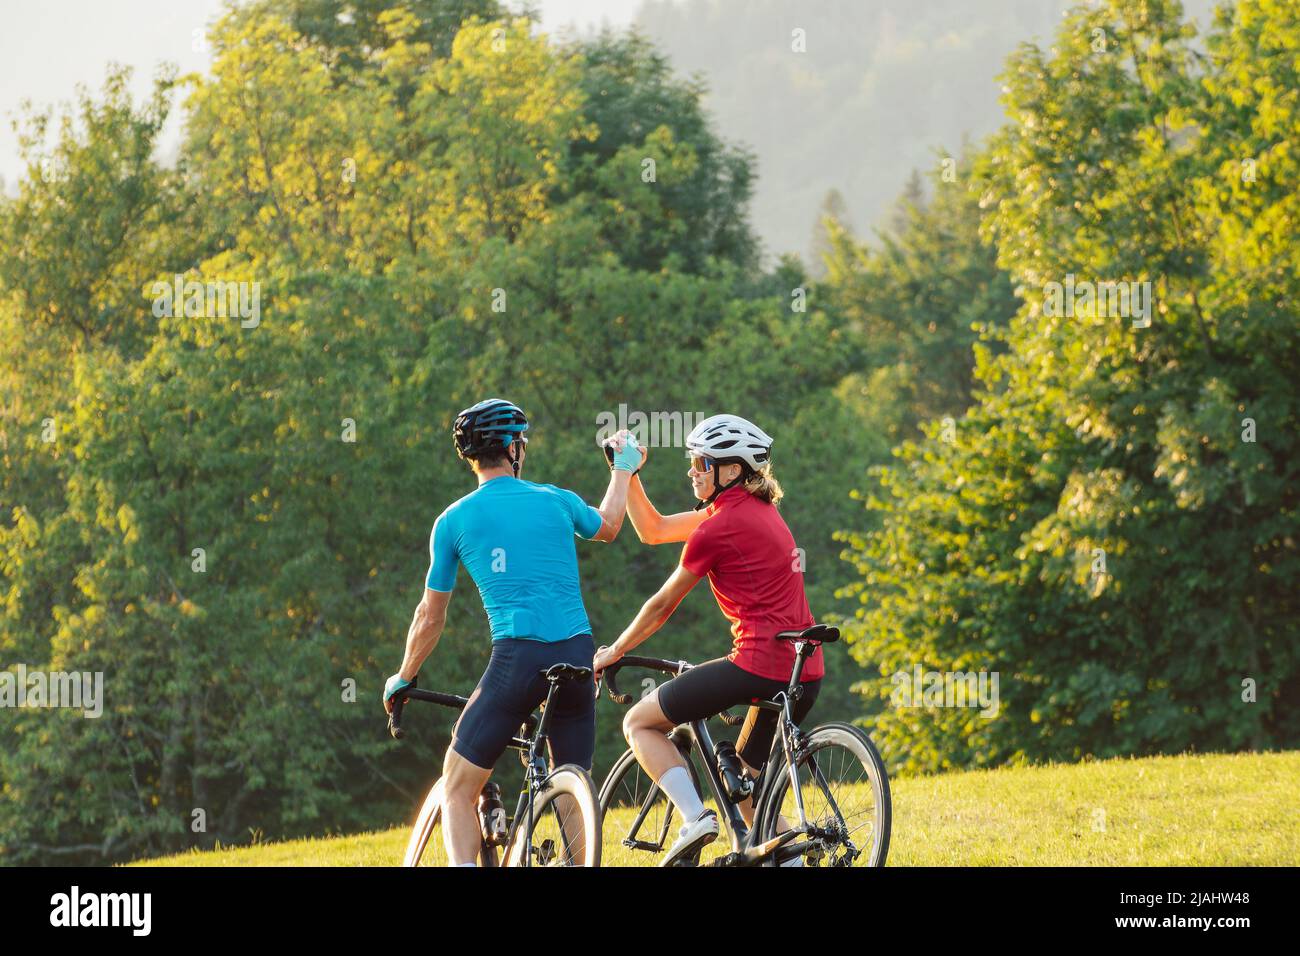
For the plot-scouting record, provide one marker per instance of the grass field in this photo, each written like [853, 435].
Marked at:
[1209, 810]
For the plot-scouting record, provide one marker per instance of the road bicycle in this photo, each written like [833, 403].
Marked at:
[822, 797]
[557, 820]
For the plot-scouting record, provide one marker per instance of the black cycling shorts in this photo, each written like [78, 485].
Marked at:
[512, 687]
[714, 686]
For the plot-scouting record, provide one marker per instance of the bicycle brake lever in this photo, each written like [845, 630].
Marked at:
[395, 719]
[614, 693]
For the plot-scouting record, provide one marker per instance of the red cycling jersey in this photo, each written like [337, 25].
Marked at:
[749, 555]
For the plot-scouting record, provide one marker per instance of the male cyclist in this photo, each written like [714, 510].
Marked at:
[515, 539]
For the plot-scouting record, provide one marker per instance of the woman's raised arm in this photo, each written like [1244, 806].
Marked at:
[652, 527]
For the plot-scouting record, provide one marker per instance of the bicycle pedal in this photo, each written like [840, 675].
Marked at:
[546, 853]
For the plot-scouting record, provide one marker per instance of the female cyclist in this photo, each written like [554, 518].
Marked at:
[741, 542]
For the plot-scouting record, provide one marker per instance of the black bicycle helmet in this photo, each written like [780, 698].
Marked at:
[491, 425]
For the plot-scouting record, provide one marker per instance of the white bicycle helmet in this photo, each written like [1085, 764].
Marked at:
[726, 438]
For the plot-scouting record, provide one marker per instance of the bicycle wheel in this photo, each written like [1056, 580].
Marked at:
[637, 818]
[566, 823]
[845, 792]
[426, 846]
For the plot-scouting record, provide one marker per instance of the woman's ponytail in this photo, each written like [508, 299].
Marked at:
[762, 484]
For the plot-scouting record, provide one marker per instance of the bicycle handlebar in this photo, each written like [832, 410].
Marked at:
[415, 693]
[675, 668]
[649, 663]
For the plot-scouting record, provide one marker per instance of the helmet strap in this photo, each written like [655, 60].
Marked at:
[718, 487]
[514, 457]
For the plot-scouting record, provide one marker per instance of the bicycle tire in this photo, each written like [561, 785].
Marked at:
[425, 845]
[821, 740]
[547, 830]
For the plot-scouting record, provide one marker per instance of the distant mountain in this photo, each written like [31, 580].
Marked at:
[880, 87]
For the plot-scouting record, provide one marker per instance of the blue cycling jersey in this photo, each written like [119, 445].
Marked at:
[515, 539]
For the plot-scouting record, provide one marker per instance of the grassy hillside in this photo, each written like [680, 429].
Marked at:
[1222, 810]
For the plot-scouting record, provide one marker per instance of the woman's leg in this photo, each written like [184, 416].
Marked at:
[699, 693]
[755, 737]
[646, 729]
[755, 741]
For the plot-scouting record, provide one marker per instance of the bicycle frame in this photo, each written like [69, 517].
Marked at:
[535, 763]
[742, 835]
[790, 741]
[534, 774]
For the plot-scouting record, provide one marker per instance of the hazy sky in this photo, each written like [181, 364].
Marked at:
[47, 47]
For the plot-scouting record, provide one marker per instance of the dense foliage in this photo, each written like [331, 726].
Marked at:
[229, 517]
[1113, 527]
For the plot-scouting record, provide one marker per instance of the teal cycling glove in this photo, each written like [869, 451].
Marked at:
[628, 458]
[394, 686]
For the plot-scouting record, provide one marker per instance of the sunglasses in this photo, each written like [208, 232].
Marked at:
[701, 463]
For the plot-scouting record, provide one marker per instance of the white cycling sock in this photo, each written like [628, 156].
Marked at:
[677, 784]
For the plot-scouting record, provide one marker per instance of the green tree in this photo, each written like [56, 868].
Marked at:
[834, 213]
[918, 299]
[425, 225]
[642, 111]
[1099, 532]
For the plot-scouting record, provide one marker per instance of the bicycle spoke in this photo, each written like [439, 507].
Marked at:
[557, 833]
[652, 821]
[639, 820]
[647, 807]
[824, 785]
[835, 814]
[840, 804]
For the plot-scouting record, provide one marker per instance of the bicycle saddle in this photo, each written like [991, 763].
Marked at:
[566, 672]
[817, 634]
